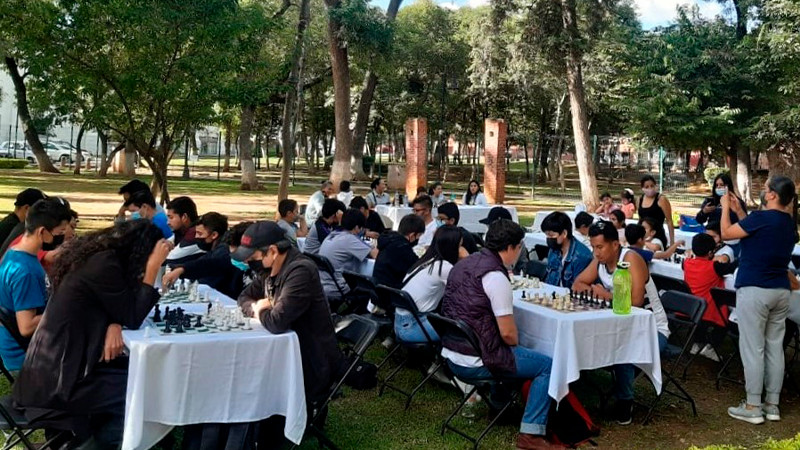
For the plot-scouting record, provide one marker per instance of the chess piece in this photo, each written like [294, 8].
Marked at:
[246, 325]
[167, 328]
[157, 314]
[199, 322]
[523, 295]
[166, 313]
[187, 322]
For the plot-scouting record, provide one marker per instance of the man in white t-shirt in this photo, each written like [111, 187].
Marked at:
[479, 293]
[314, 206]
[423, 207]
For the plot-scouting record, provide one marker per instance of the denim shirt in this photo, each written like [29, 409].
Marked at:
[578, 257]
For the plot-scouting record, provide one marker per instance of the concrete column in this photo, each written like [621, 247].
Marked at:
[494, 169]
[416, 155]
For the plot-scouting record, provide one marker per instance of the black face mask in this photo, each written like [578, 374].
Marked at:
[257, 266]
[50, 246]
[553, 243]
[204, 246]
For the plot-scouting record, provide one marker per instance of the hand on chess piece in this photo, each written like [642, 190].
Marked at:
[262, 305]
[171, 277]
[113, 344]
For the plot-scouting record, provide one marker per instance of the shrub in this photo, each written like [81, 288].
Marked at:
[711, 172]
[9, 163]
[771, 444]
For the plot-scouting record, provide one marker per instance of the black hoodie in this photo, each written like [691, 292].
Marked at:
[395, 256]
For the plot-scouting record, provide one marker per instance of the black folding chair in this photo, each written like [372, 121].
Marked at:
[363, 288]
[684, 312]
[536, 269]
[346, 303]
[402, 300]
[450, 330]
[664, 283]
[724, 297]
[356, 333]
[541, 251]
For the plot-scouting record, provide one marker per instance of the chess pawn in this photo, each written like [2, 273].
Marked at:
[199, 322]
[157, 314]
[523, 295]
[167, 328]
[246, 325]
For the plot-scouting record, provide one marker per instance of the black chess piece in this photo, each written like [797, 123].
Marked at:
[199, 322]
[554, 295]
[157, 314]
[167, 328]
[523, 294]
[179, 327]
[187, 322]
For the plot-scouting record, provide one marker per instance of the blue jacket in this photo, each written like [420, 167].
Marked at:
[578, 257]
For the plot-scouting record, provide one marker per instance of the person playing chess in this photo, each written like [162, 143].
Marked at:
[635, 235]
[287, 295]
[607, 253]
[567, 257]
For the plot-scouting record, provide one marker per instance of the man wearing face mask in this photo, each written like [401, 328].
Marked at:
[287, 295]
[346, 251]
[22, 278]
[142, 205]
[448, 214]
[213, 268]
[567, 257]
[49, 250]
[373, 225]
[396, 252]
[22, 204]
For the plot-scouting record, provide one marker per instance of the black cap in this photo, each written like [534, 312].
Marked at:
[29, 196]
[257, 236]
[498, 212]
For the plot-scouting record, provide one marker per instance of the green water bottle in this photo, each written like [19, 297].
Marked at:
[622, 289]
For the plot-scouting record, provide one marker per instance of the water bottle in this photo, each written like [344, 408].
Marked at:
[622, 289]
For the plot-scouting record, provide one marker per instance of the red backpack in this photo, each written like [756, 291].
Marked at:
[568, 422]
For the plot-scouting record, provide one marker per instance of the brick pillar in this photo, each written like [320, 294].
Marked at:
[494, 169]
[416, 155]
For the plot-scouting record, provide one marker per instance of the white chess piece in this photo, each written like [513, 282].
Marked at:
[148, 333]
[246, 325]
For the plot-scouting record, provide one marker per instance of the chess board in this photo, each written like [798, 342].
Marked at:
[210, 328]
[174, 297]
[564, 302]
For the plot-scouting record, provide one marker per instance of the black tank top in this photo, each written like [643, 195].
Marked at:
[654, 212]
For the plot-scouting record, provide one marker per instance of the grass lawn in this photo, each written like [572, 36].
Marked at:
[362, 420]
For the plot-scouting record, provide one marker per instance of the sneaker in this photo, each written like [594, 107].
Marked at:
[741, 412]
[695, 349]
[771, 412]
[623, 412]
[533, 442]
[388, 343]
[468, 411]
[709, 352]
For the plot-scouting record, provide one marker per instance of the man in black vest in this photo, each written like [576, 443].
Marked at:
[479, 293]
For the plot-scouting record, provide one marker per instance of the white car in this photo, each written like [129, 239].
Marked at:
[18, 150]
[58, 152]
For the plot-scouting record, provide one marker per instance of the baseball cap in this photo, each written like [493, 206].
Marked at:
[28, 197]
[257, 236]
[498, 212]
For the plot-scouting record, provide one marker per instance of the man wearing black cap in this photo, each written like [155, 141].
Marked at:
[497, 213]
[25, 200]
[286, 294]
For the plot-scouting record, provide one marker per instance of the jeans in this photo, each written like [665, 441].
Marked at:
[407, 329]
[530, 365]
[762, 325]
[624, 374]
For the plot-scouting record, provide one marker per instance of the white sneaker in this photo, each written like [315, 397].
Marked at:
[695, 349]
[771, 412]
[709, 352]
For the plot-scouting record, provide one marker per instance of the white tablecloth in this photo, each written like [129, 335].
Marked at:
[469, 215]
[531, 240]
[588, 340]
[230, 377]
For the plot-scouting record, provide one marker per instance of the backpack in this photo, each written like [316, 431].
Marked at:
[568, 422]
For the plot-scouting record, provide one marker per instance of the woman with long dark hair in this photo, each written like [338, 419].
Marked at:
[711, 209]
[656, 206]
[73, 377]
[763, 287]
[474, 195]
[426, 281]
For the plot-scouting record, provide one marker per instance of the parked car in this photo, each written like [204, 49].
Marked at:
[58, 152]
[18, 150]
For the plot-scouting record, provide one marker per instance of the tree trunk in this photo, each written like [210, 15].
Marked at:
[341, 97]
[127, 164]
[360, 129]
[295, 82]
[78, 152]
[104, 159]
[31, 134]
[228, 132]
[784, 160]
[733, 162]
[249, 178]
[577, 101]
[744, 181]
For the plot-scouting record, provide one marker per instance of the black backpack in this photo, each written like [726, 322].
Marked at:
[568, 422]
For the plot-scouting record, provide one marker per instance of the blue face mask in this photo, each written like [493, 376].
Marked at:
[135, 215]
[439, 223]
[240, 265]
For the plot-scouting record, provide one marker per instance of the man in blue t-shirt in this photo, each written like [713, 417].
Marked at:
[142, 205]
[22, 279]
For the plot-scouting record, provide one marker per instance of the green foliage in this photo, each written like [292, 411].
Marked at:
[364, 26]
[9, 163]
[771, 444]
[710, 173]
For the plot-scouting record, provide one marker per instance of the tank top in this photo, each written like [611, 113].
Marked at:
[652, 301]
[655, 212]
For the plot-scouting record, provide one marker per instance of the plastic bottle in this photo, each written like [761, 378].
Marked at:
[622, 289]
